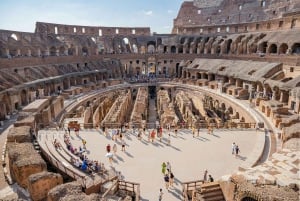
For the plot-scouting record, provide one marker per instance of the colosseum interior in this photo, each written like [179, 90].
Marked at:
[228, 66]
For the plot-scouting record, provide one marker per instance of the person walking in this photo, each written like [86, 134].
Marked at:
[163, 168]
[169, 139]
[205, 176]
[169, 166]
[171, 179]
[237, 151]
[123, 145]
[160, 195]
[167, 181]
[233, 148]
[115, 148]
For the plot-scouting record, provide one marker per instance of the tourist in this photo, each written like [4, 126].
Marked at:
[83, 143]
[69, 130]
[115, 148]
[169, 139]
[237, 151]
[193, 131]
[171, 179]
[168, 166]
[163, 168]
[108, 148]
[160, 195]
[153, 135]
[233, 148]
[139, 135]
[210, 178]
[175, 131]
[123, 145]
[205, 176]
[167, 181]
[198, 132]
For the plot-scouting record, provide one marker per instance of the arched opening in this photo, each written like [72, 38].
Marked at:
[62, 51]
[273, 49]
[14, 36]
[165, 70]
[173, 49]
[23, 97]
[184, 74]
[249, 198]
[52, 51]
[180, 49]
[138, 71]
[296, 48]
[228, 46]
[263, 47]
[198, 75]
[189, 75]
[283, 48]
[135, 48]
[71, 50]
[151, 47]
[85, 51]
[127, 45]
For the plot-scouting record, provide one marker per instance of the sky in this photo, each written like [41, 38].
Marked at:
[21, 15]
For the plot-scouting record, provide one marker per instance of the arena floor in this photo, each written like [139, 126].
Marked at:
[188, 156]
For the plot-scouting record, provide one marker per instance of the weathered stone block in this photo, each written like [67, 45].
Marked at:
[24, 161]
[19, 134]
[58, 192]
[39, 184]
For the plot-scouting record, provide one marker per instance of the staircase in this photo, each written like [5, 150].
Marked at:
[210, 192]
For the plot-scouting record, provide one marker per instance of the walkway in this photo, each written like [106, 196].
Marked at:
[188, 156]
[152, 113]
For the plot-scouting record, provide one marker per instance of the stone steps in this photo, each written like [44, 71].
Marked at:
[211, 192]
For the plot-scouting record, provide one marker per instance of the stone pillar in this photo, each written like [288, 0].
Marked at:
[29, 53]
[273, 95]
[32, 95]
[18, 52]
[41, 93]
[265, 92]
[6, 52]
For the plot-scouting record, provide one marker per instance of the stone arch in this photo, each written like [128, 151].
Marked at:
[15, 37]
[298, 84]
[198, 75]
[189, 74]
[272, 49]
[23, 97]
[127, 45]
[237, 115]
[5, 107]
[296, 48]
[263, 47]
[283, 48]
[230, 110]
[248, 199]
[151, 47]
[71, 50]
[85, 51]
[52, 51]
[62, 50]
[223, 106]
[184, 74]
[173, 49]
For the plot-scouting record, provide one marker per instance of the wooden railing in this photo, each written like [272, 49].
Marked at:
[130, 188]
[189, 187]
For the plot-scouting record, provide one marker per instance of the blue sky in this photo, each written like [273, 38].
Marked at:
[157, 14]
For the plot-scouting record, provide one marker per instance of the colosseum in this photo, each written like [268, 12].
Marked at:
[101, 113]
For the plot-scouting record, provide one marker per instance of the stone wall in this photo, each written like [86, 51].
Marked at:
[39, 184]
[19, 134]
[23, 162]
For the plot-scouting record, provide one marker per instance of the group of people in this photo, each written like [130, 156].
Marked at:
[207, 179]
[82, 162]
